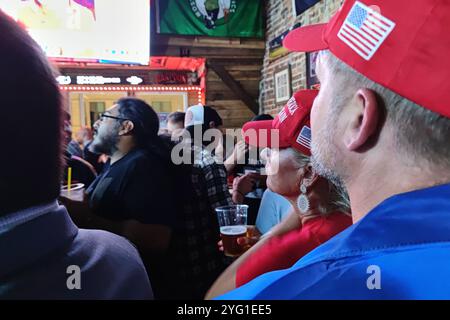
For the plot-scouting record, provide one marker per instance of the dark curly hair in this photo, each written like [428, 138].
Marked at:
[146, 125]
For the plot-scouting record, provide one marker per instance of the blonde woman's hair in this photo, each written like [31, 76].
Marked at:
[339, 200]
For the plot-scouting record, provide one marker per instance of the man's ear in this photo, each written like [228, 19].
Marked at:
[364, 121]
[310, 177]
[212, 124]
[127, 127]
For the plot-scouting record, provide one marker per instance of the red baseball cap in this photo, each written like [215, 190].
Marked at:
[290, 128]
[403, 45]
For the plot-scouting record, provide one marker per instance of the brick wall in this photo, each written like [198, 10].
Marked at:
[280, 18]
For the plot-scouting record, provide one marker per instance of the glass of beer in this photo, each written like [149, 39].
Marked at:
[233, 225]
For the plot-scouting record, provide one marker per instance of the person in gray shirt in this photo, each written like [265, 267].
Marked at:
[43, 255]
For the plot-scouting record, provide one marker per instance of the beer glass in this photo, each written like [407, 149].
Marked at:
[76, 192]
[233, 225]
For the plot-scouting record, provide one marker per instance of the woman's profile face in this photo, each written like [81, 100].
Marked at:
[283, 174]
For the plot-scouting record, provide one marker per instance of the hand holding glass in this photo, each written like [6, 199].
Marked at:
[233, 225]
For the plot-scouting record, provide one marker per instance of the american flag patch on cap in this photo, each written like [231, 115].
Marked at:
[304, 138]
[364, 30]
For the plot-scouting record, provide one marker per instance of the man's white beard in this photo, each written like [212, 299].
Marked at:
[324, 159]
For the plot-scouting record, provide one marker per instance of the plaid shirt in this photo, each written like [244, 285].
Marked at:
[214, 177]
[198, 260]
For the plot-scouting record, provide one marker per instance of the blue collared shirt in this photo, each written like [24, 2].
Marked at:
[399, 250]
[40, 246]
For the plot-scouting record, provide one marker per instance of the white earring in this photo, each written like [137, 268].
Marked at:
[303, 188]
[303, 201]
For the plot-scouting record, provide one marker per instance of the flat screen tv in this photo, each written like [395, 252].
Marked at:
[110, 31]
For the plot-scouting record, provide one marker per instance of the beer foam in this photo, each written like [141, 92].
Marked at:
[233, 230]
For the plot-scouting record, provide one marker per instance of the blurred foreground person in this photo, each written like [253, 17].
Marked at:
[43, 254]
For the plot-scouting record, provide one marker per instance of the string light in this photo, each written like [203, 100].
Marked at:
[192, 89]
[126, 88]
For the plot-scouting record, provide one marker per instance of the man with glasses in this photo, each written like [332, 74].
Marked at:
[132, 197]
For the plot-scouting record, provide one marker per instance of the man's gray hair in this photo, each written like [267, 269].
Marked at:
[422, 136]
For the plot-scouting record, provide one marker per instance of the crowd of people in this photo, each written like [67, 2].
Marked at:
[355, 192]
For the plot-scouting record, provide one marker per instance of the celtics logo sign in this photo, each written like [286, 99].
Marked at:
[213, 12]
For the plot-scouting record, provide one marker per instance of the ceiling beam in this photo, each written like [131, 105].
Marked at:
[236, 87]
[208, 52]
[243, 61]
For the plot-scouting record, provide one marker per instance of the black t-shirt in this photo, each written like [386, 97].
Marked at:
[137, 187]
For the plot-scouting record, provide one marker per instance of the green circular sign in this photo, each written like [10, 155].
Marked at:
[213, 13]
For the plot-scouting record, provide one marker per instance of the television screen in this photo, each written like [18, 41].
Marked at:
[101, 30]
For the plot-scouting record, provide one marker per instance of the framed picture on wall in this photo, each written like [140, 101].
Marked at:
[282, 85]
[311, 77]
[300, 6]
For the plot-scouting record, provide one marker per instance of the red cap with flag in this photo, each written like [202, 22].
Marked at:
[291, 126]
[401, 44]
